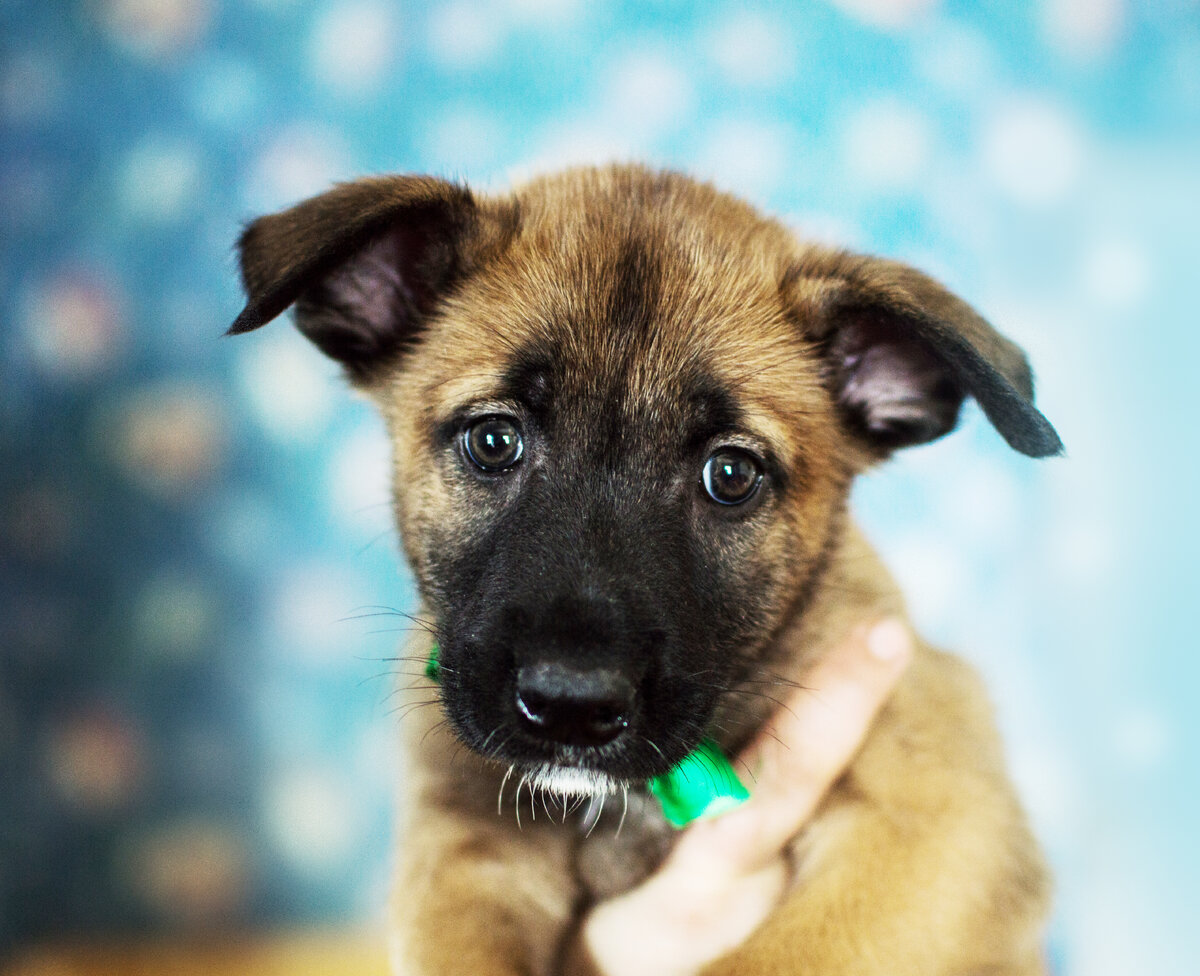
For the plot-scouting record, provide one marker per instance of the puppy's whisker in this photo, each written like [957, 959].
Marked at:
[592, 815]
[779, 704]
[751, 693]
[773, 679]
[397, 690]
[421, 679]
[749, 772]
[382, 610]
[517, 799]
[650, 742]
[381, 674]
[456, 755]
[496, 751]
[438, 727]
[374, 541]
[406, 709]
[483, 746]
[403, 711]
[500, 796]
[366, 612]
[418, 665]
[391, 659]
[394, 673]
[416, 682]
[769, 731]
[624, 807]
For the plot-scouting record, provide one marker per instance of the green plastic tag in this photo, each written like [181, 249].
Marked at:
[702, 784]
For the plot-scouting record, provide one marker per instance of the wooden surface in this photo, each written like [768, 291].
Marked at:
[307, 954]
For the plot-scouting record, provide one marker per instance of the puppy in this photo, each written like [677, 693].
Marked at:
[626, 410]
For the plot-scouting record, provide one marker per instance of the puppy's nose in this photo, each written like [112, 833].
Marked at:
[579, 708]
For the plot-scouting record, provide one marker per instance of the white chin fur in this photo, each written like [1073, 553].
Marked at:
[569, 781]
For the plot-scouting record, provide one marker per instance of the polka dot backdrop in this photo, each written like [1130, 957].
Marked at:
[194, 719]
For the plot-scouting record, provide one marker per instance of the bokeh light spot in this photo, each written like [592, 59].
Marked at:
[41, 521]
[31, 87]
[464, 34]
[160, 180]
[74, 323]
[311, 815]
[1117, 272]
[752, 50]
[173, 615]
[887, 145]
[95, 760]
[310, 614]
[1033, 151]
[196, 870]
[1084, 28]
[748, 156]
[171, 439]
[289, 385]
[296, 162]
[887, 14]
[353, 45]
[360, 481]
[155, 29]
[647, 91]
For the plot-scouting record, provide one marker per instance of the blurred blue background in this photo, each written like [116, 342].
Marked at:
[194, 720]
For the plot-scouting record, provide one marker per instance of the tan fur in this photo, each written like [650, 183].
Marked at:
[920, 860]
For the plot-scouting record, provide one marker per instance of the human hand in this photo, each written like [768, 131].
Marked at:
[726, 875]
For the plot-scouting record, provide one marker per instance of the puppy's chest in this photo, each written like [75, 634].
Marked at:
[624, 846]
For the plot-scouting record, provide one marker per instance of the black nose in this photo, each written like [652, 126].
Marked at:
[579, 708]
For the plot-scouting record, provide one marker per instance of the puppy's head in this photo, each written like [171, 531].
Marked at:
[625, 410]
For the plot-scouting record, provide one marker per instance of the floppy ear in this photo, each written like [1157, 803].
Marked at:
[902, 353]
[364, 263]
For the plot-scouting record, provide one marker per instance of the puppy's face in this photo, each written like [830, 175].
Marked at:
[626, 411]
[616, 470]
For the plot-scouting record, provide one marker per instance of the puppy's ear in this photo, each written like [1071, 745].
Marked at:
[902, 353]
[364, 263]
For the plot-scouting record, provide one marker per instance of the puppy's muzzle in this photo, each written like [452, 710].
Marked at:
[568, 706]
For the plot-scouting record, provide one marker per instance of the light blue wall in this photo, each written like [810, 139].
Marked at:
[194, 721]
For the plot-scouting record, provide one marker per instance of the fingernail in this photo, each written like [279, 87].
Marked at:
[889, 640]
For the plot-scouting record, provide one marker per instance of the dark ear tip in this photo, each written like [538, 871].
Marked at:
[247, 321]
[1041, 441]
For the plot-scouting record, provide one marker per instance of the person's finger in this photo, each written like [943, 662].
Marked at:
[809, 743]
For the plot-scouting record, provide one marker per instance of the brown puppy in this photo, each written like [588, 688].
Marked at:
[626, 410]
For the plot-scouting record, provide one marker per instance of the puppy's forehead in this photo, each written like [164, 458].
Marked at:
[611, 320]
[651, 306]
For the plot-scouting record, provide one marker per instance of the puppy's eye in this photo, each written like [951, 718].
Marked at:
[493, 444]
[731, 476]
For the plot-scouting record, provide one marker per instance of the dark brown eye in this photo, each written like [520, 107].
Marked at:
[493, 444]
[731, 476]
